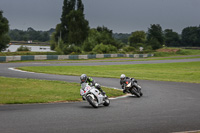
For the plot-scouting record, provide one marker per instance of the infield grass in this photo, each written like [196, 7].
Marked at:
[177, 72]
[20, 91]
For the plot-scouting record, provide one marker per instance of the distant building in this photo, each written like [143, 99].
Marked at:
[30, 41]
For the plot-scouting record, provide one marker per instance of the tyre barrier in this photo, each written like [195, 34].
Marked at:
[69, 57]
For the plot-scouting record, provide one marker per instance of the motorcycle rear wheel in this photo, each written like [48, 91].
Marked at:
[107, 102]
[141, 94]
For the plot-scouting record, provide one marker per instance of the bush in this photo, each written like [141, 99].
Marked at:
[71, 49]
[184, 52]
[101, 49]
[154, 43]
[129, 49]
[23, 48]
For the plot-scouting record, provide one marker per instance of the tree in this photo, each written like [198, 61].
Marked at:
[68, 5]
[4, 28]
[155, 34]
[191, 36]
[91, 41]
[106, 37]
[73, 28]
[78, 27]
[122, 37]
[171, 38]
[137, 37]
[30, 34]
[100, 35]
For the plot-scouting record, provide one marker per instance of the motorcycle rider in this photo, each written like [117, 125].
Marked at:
[90, 81]
[122, 82]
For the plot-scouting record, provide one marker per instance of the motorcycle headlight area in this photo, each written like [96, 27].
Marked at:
[128, 85]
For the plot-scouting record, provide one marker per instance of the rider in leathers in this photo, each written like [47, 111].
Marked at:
[122, 82]
[90, 81]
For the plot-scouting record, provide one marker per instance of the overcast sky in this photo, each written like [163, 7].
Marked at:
[121, 16]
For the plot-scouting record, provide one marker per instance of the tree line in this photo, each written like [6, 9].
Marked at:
[30, 34]
[74, 36]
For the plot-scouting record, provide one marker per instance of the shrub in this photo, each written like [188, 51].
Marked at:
[71, 49]
[23, 48]
[101, 48]
[184, 52]
[129, 49]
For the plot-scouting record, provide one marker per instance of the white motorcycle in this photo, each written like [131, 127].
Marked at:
[93, 95]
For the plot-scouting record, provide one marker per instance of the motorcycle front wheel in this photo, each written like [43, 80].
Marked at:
[135, 93]
[92, 101]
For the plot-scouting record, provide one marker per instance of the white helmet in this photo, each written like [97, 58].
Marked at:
[123, 76]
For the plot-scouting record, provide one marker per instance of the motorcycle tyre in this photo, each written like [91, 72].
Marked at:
[141, 94]
[107, 102]
[135, 93]
[91, 101]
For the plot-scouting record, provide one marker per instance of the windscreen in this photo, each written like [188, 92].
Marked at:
[83, 85]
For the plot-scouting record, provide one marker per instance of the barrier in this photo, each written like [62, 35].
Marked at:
[72, 57]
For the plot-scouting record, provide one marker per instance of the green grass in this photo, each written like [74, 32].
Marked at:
[156, 58]
[20, 91]
[177, 72]
[178, 53]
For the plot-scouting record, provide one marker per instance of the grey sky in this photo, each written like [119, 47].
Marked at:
[121, 16]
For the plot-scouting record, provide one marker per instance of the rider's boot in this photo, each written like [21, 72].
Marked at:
[124, 91]
[103, 93]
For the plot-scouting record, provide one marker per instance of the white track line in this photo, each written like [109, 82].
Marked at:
[120, 97]
[195, 131]
[13, 69]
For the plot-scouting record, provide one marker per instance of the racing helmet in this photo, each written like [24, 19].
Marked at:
[83, 78]
[123, 76]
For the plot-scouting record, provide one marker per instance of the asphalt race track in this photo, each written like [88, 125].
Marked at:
[165, 107]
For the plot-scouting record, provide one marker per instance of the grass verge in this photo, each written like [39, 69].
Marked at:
[22, 91]
[177, 72]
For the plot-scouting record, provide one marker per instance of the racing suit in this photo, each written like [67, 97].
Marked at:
[91, 82]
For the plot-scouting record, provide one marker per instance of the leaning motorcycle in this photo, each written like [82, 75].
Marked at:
[93, 95]
[130, 88]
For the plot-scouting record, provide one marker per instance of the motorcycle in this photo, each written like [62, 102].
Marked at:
[93, 95]
[130, 88]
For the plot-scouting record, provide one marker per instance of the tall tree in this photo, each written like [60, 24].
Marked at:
[73, 28]
[155, 34]
[80, 6]
[78, 27]
[68, 6]
[171, 38]
[4, 28]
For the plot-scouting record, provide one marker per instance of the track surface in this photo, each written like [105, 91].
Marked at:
[165, 107]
